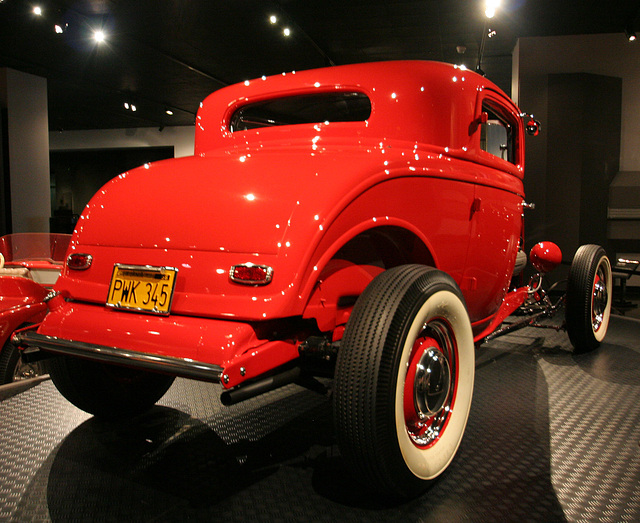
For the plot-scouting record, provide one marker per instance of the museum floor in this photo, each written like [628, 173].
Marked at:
[552, 436]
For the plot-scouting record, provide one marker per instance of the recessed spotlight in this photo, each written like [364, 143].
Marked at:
[169, 112]
[490, 8]
[59, 29]
[99, 36]
[286, 31]
[37, 10]
[273, 19]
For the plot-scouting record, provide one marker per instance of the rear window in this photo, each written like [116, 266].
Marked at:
[293, 110]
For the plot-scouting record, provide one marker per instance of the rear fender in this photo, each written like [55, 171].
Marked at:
[338, 287]
[21, 301]
[354, 265]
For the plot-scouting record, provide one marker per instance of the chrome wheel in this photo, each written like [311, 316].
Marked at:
[600, 303]
[429, 385]
[404, 379]
[25, 371]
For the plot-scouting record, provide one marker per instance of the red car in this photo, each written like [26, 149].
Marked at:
[363, 222]
[30, 264]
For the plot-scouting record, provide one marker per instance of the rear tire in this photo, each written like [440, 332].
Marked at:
[107, 391]
[589, 296]
[404, 380]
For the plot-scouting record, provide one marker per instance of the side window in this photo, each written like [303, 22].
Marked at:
[497, 136]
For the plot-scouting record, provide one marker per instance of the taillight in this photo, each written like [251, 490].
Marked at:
[78, 261]
[251, 274]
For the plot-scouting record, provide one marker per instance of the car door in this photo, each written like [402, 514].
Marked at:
[496, 213]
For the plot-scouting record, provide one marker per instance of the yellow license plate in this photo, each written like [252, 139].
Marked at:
[142, 288]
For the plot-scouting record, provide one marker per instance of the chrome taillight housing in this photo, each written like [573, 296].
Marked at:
[79, 261]
[251, 274]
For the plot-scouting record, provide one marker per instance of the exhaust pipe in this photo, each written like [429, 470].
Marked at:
[251, 390]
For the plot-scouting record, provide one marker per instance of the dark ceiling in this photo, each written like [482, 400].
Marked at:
[170, 54]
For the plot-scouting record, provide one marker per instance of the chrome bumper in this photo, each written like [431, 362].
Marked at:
[140, 360]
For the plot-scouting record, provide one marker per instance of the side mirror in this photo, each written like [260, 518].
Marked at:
[531, 125]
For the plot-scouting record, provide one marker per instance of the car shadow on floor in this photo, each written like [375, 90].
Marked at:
[170, 465]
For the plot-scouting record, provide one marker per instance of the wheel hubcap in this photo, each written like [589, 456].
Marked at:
[25, 371]
[600, 299]
[432, 382]
[429, 388]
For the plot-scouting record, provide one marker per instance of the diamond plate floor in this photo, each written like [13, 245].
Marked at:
[552, 436]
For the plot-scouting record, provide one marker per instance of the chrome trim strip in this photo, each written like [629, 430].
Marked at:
[179, 367]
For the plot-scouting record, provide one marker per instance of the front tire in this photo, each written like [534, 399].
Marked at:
[589, 296]
[107, 391]
[12, 368]
[404, 379]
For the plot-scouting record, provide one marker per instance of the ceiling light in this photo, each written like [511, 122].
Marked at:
[273, 19]
[490, 8]
[169, 112]
[60, 29]
[37, 10]
[286, 31]
[99, 36]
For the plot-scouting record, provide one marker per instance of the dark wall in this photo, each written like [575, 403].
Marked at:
[77, 175]
[583, 155]
[5, 195]
[576, 161]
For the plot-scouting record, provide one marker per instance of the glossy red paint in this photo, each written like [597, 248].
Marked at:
[21, 301]
[326, 205]
[16, 291]
[545, 256]
[30, 264]
[511, 302]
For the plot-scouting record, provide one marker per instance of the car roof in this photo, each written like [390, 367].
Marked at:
[421, 101]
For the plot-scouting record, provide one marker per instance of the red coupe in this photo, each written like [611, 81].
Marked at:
[363, 222]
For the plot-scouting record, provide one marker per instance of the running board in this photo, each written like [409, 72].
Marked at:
[140, 360]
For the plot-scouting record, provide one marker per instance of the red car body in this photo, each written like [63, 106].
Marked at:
[29, 266]
[363, 222]
[291, 197]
